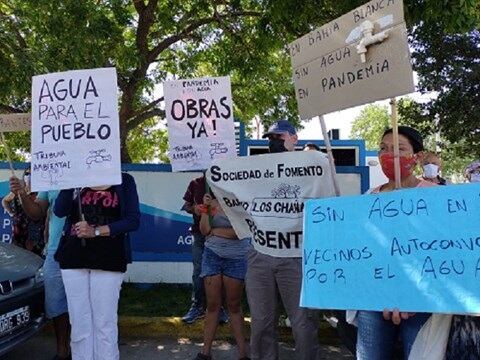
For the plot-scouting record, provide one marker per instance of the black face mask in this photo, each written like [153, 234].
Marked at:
[277, 145]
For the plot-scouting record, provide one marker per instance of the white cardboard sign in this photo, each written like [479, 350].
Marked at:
[328, 71]
[263, 196]
[15, 122]
[75, 130]
[200, 122]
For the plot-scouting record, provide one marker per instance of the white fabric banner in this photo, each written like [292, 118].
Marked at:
[200, 122]
[263, 196]
[75, 130]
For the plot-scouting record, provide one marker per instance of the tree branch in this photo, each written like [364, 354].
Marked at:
[139, 5]
[153, 104]
[167, 42]
[136, 121]
[13, 26]
[148, 107]
[126, 111]
[9, 109]
[146, 18]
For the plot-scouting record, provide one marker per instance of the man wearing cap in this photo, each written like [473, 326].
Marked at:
[268, 276]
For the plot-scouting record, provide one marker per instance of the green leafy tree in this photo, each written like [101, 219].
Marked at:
[373, 120]
[149, 41]
[370, 124]
[148, 142]
[449, 65]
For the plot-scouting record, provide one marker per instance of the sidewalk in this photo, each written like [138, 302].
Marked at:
[160, 349]
[168, 338]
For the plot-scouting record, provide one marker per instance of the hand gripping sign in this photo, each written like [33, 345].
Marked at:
[263, 196]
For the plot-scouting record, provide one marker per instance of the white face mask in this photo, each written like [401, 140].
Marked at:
[430, 171]
[26, 179]
[289, 142]
[475, 177]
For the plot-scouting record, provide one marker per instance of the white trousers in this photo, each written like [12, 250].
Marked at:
[92, 297]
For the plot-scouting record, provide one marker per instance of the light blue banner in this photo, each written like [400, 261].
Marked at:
[417, 250]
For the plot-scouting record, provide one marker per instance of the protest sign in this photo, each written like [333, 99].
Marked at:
[263, 196]
[417, 250]
[360, 57]
[15, 122]
[75, 130]
[200, 122]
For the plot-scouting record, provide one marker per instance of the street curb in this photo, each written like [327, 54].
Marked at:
[154, 327]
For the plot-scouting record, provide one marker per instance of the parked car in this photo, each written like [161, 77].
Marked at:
[21, 296]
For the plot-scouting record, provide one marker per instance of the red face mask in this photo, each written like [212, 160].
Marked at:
[407, 163]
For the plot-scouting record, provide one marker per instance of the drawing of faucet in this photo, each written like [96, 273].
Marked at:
[369, 39]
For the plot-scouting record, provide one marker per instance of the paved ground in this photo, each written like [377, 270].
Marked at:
[40, 348]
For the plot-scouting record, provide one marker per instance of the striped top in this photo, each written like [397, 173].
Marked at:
[227, 248]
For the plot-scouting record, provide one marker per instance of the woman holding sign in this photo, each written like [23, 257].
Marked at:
[27, 233]
[224, 266]
[377, 332]
[93, 256]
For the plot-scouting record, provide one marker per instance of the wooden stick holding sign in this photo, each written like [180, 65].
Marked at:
[396, 150]
[331, 160]
[7, 152]
[81, 217]
[358, 58]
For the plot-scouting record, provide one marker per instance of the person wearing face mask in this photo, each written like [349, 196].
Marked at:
[431, 166]
[377, 331]
[269, 276]
[26, 232]
[311, 147]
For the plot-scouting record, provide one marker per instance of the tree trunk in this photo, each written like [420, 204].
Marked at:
[125, 156]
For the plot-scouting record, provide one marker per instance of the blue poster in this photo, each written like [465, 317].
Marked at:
[417, 250]
[5, 219]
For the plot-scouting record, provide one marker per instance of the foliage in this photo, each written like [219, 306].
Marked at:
[370, 124]
[18, 144]
[450, 66]
[150, 41]
[148, 142]
[375, 119]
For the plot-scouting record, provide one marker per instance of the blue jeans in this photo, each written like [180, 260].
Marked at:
[377, 337]
[55, 297]
[198, 293]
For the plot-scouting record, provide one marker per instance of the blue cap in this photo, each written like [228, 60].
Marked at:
[280, 127]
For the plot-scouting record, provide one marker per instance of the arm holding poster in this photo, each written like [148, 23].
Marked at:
[7, 199]
[411, 145]
[125, 196]
[224, 266]
[211, 207]
[35, 209]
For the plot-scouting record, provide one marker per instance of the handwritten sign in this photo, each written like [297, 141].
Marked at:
[75, 130]
[328, 71]
[417, 250]
[200, 122]
[263, 196]
[15, 122]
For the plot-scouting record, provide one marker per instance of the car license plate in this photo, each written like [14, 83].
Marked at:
[14, 320]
